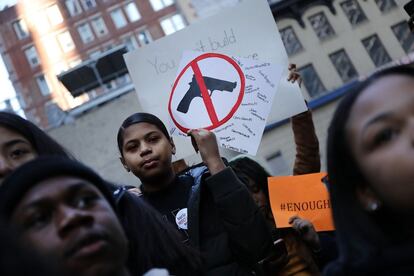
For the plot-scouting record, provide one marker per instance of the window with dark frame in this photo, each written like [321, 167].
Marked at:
[32, 56]
[88, 4]
[73, 7]
[385, 5]
[20, 29]
[353, 12]
[43, 85]
[312, 81]
[404, 36]
[291, 41]
[343, 65]
[144, 37]
[321, 26]
[376, 50]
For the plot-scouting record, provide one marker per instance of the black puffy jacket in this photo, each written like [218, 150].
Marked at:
[224, 222]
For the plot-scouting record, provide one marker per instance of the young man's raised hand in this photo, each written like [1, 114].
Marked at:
[205, 142]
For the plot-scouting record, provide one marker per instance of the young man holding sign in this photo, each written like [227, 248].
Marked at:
[207, 203]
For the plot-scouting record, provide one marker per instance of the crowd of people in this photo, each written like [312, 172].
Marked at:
[59, 217]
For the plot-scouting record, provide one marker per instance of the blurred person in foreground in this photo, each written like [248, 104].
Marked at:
[371, 176]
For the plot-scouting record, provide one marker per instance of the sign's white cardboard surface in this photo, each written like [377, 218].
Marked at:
[246, 30]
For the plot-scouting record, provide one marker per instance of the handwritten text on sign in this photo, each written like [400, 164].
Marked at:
[234, 31]
[228, 95]
[302, 195]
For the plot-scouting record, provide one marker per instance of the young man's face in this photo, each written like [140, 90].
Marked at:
[147, 152]
[67, 219]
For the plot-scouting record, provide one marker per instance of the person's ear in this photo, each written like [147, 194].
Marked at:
[369, 201]
[173, 149]
[124, 164]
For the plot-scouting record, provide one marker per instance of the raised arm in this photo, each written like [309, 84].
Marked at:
[307, 145]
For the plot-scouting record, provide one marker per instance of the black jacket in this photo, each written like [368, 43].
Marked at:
[224, 222]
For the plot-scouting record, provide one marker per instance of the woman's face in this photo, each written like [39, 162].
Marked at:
[15, 150]
[380, 132]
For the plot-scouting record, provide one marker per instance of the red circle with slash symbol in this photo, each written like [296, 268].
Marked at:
[204, 91]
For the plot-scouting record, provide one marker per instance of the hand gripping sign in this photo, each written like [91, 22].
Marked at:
[188, 100]
[229, 96]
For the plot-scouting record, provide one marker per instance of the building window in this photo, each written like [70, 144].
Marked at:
[20, 28]
[376, 50]
[278, 164]
[160, 4]
[321, 26]
[172, 24]
[404, 36]
[118, 18]
[54, 15]
[386, 5]
[354, 12]
[291, 41]
[32, 57]
[43, 85]
[132, 12]
[130, 43]
[343, 65]
[73, 7]
[98, 25]
[85, 33]
[65, 41]
[88, 4]
[312, 81]
[144, 37]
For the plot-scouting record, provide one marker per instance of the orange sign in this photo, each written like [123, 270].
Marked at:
[303, 195]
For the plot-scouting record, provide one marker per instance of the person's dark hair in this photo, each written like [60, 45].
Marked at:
[136, 118]
[360, 235]
[250, 168]
[153, 243]
[41, 142]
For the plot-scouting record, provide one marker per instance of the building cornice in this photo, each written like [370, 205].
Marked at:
[295, 9]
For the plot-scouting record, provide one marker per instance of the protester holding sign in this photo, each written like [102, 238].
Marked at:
[207, 203]
[370, 168]
[301, 259]
[301, 243]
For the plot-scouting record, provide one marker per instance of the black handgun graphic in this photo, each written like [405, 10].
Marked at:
[194, 91]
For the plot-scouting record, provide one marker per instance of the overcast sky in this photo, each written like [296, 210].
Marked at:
[7, 2]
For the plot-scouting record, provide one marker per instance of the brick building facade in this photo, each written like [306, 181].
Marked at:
[39, 39]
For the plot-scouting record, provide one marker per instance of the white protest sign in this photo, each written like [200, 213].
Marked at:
[230, 96]
[246, 30]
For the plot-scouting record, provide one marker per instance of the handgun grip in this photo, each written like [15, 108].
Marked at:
[185, 102]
